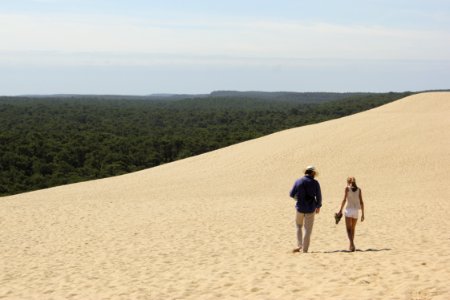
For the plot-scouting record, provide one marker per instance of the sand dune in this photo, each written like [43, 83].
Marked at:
[221, 225]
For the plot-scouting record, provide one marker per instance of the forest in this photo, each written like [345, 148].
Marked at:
[47, 141]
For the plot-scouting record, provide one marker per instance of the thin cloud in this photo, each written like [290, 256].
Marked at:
[259, 39]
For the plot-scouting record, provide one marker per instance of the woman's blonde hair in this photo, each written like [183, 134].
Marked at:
[352, 181]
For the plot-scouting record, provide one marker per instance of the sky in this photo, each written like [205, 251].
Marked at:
[138, 47]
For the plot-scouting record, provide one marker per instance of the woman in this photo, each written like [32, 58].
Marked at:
[353, 197]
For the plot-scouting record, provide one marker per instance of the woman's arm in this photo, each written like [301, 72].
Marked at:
[362, 205]
[343, 201]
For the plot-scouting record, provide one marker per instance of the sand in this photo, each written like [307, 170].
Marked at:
[221, 225]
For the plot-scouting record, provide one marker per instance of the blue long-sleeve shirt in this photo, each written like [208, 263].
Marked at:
[306, 191]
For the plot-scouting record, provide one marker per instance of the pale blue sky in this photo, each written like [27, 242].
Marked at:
[144, 47]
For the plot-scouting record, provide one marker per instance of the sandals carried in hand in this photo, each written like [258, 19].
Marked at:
[337, 217]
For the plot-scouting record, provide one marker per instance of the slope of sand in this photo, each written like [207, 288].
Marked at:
[221, 225]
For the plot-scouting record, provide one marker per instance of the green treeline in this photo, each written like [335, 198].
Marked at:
[46, 142]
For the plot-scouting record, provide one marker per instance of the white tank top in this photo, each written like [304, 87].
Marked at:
[353, 199]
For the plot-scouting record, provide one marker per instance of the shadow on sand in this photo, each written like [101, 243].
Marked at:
[357, 250]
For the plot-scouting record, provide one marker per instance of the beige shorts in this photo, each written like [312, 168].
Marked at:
[351, 213]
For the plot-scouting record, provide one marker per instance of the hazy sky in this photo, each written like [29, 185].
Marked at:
[197, 46]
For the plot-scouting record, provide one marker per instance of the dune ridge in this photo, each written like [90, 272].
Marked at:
[221, 225]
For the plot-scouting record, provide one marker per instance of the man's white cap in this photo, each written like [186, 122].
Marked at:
[311, 168]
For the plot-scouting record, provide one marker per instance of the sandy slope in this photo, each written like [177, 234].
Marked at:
[221, 225]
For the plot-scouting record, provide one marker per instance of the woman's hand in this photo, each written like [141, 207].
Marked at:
[362, 218]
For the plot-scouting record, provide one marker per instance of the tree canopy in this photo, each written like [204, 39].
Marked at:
[50, 141]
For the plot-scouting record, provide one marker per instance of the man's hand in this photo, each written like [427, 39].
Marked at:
[317, 210]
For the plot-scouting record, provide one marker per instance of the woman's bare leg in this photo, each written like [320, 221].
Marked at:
[349, 227]
[354, 221]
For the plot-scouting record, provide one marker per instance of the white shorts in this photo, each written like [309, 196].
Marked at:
[351, 213]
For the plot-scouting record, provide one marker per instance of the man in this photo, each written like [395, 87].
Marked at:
[307, 192]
